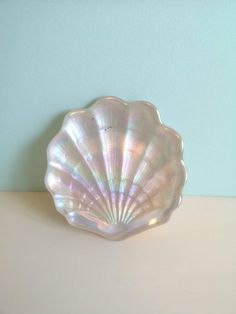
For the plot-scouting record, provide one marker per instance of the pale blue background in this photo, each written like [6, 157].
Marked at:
[59, 55]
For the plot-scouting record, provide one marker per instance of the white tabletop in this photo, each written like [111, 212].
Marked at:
[187, 266]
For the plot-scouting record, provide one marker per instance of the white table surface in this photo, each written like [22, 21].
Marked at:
[187, 266]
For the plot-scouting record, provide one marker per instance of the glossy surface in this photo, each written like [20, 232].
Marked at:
[114, 169]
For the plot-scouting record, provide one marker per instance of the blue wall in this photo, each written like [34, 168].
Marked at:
[59, 55]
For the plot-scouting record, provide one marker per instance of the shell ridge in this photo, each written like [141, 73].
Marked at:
[127, 201]
[174, 192]
[121, 195]
[138, 192]
[133, 212]
[124, 196]
[118, 200]
[92, 176]
[113, 176]
[126, 208]
[79, 183]
[150, 179]
[92, 210]
[156, 171]
[81, 160]
[107, 181]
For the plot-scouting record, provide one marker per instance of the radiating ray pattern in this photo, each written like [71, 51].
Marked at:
[115, 169]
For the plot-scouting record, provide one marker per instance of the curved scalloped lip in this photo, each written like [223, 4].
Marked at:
[159, 121]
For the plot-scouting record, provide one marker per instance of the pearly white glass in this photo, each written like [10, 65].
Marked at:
[114, 169]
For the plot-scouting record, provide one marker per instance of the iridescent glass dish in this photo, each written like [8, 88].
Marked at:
[114, 169]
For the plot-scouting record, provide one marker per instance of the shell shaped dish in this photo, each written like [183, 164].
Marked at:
[114, 169]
